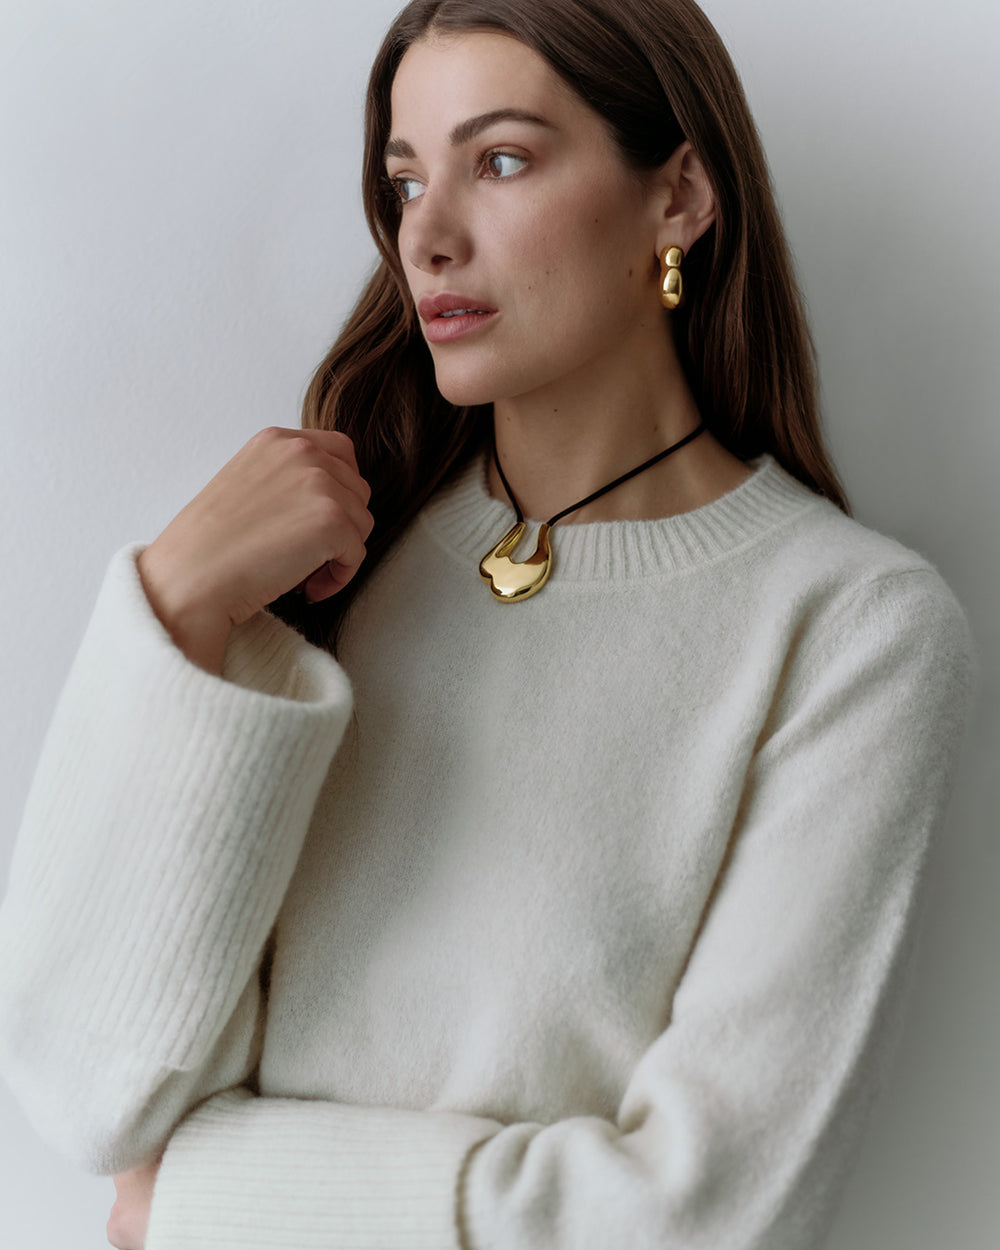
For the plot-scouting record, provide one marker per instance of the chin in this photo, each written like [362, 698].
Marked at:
[466, 389]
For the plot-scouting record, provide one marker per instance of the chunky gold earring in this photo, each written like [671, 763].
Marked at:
[671, 282]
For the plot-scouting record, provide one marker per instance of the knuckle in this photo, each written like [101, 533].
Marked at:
[270, 434]
[299, 446]
[316, 480]
[330, 513]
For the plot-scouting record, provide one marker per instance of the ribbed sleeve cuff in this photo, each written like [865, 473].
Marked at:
[165, 819]
[284, 1174]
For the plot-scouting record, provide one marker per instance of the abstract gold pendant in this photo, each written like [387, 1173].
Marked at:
[511, 580]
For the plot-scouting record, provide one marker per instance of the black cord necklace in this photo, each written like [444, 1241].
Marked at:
[512, 580]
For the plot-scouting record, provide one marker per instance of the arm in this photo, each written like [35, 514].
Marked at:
[166, 816]
[738, 1124]
[171, 802]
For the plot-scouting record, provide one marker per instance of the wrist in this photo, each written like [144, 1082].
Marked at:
[195, 626]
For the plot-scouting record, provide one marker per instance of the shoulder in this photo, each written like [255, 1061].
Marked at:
[841, 569]
[859, 610]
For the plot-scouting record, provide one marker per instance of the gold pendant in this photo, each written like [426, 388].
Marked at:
[511, 580]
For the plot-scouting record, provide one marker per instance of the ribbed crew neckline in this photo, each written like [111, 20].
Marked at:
[464, 518]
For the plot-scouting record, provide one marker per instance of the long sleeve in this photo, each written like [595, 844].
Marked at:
[164, 821]
[737, 1126]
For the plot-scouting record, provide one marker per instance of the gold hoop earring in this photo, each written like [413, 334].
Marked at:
[671, 282]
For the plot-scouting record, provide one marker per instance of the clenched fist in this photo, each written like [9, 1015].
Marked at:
[289, 510]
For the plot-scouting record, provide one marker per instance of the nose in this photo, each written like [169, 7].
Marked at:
[433, 233]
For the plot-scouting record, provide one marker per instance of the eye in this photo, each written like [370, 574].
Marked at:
[497, 165]
[406, 189]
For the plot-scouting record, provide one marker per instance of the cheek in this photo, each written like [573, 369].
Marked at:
[599, 283]
[576, 260]
[601, 242]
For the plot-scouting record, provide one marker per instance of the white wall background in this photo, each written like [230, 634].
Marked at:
[180, 236]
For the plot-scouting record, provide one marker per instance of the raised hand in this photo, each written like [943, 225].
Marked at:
[289, 510]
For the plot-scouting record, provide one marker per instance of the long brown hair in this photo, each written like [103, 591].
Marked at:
[657, 72]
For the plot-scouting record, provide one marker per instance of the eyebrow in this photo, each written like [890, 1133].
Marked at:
[469, 129]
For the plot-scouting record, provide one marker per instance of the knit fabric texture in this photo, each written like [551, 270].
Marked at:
[568, 924]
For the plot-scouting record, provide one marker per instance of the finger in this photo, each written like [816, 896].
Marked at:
[330, 443]
[306, 450]
[357, 514]
[334, 443]
[330, 578]
[348, 477]
[327, 581]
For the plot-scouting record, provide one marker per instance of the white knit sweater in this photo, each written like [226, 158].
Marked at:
[590, 923]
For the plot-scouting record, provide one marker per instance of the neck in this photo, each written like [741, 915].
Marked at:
[563, 442]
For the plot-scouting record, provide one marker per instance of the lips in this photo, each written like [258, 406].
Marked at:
[446, 304]
[449, 317]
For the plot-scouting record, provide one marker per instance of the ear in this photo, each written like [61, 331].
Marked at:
[686, 201]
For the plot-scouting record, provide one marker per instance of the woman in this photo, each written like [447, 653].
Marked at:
[573, 901]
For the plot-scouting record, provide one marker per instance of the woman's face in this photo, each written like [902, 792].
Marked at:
[517, 207]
